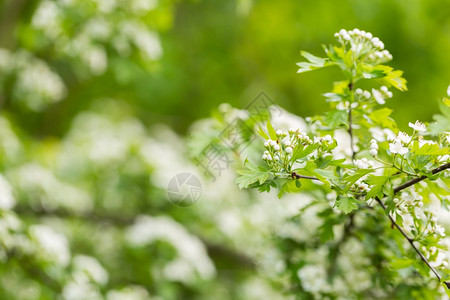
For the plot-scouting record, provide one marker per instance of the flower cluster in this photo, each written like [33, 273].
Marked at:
[364, 163]
[379, 95]
[398, 145]
[364, 44]
[279, 151]
[409, 202]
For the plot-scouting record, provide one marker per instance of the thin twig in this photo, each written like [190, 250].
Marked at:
[350, 121]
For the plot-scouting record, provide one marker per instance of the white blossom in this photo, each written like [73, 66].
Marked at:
[396, 147]
[405, 138]
[364, 163]
[418, 126]
[378, 96]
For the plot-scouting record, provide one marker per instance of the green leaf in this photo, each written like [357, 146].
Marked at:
[401, 263]
[346, 204]
[349, 180]
[336, 118]
[262, 133]
[429, 149]
[288, 186]
[252, 174]
[314, 62]
[378, 183]
[381, 117]
[272, 132]
[301, 152]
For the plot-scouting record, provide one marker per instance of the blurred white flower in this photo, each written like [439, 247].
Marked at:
[46, 18]
[51, 245]
[89, 268]
[37, 85]
[81, 290]
[96, 59]
[7, 200]
[192, 254]
[284, 120]
[143, 6]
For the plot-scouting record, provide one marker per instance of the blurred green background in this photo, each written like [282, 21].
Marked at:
[227, 51]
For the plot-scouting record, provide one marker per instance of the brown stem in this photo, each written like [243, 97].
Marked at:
[418, 179]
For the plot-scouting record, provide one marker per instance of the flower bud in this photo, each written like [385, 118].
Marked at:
[288, 150]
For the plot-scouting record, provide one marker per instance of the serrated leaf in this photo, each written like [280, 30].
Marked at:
[336, 118]
[429, 149]
[251, 175]
[378, 183]
[381, 117]
[346, 204]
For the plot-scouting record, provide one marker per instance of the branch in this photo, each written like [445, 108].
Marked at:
[298, 176]
[411, 241]
[419, 179]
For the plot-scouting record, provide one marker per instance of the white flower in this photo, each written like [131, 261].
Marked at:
[279, 132]
[405, 138]
[276, 157]
[264, 157]
[373, 144]
[276, 147]
[273, 143]
[378, 96]
[440, 230]
[366, 94]
[287, 143]
[397, 147]
[363, 163]
[266, 144]
[359, 91]
[288, 150]
[328, 138]
[418, 126]
[373, 152]
[384, 89]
